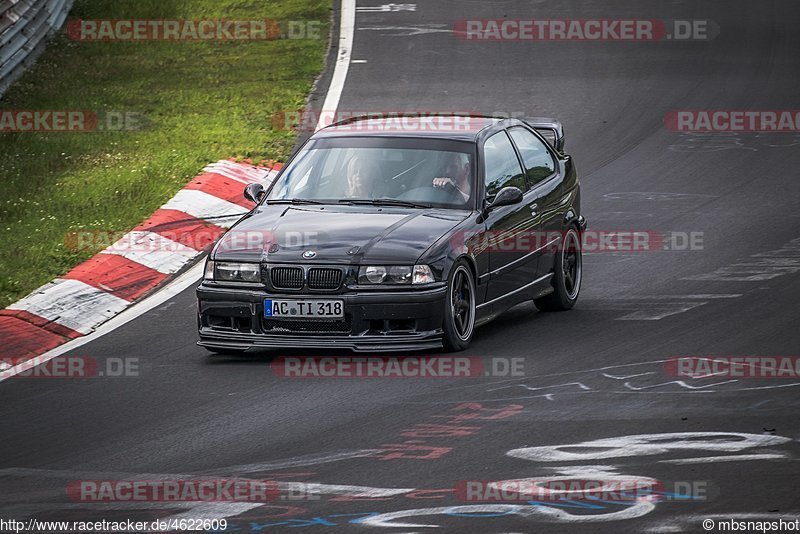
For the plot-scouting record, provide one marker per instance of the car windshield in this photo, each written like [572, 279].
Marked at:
[381, 171]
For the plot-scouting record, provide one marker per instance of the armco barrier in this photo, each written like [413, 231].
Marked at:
[24, 27]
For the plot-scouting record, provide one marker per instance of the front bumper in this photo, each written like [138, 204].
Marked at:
[377, 321]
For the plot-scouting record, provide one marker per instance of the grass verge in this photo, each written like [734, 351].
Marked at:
[194, 102]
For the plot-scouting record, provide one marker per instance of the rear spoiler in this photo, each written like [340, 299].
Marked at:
[551, 130]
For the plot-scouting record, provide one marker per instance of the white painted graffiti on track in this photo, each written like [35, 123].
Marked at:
[758, 267]
[641, 378]
[647, 445]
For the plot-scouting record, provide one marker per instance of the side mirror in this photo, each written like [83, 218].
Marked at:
[254, 192]
[506, 197]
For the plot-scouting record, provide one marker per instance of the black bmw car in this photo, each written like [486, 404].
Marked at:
[376, 237]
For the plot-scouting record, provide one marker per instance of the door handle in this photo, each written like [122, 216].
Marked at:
[533, 208]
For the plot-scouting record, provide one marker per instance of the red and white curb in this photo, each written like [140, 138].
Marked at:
[149, 255]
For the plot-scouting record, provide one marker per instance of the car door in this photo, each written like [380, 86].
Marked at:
[544, 188]
[511, 266]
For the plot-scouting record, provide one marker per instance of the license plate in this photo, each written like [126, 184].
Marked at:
[304, 309]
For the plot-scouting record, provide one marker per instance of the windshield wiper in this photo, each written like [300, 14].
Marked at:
[293, 201]
[384, 202]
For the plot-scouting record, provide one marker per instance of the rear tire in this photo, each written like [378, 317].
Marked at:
[567, 277]
[459, 308]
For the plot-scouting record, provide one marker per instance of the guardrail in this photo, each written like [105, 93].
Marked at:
[24, 27]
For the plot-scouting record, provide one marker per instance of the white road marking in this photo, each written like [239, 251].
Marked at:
[640, 309]
[607, 476]
[347, 26]
[204, 206]
[658, 311]
[759, 267]
[409, 31]
[153, 250]
[578, 372]
[736, 458]
[387, 8]
[771, 387]
[627, 376]
[642, 507]
[339, 489]
[298, 461]
[701, 296]
[681, 383]
[754, 271]
[530, 388]
[665, 528]
[656, 196]
[654, 307]
[600, 370]
[645, 445]
[72, 303]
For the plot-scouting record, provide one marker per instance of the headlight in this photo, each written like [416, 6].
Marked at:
[223, 271]
[372, 275]
[395, 274]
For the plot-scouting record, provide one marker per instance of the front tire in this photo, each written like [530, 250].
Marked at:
[567, 277]
[459, 308]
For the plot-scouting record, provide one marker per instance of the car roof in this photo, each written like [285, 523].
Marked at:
[435, 126]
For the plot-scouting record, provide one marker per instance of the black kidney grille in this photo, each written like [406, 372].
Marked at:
[319, 278]
[286, 277]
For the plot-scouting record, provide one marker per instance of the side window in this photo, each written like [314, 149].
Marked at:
[500, 165]
[539, 163]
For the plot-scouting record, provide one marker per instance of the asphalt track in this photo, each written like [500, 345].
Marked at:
[593, 373]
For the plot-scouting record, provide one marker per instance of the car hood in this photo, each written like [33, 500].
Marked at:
[335, 234]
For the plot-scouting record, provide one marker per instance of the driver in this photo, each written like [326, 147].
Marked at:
[455, 176]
